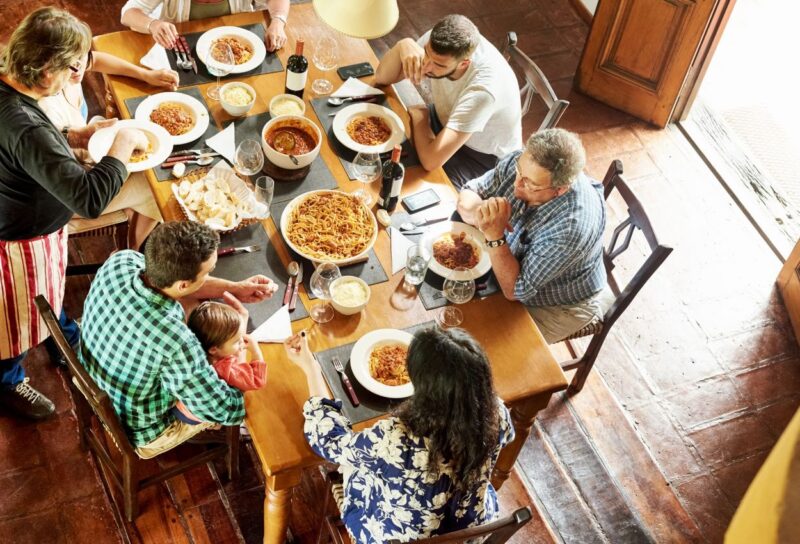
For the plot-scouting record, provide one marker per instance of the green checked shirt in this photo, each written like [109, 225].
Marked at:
[136, 346]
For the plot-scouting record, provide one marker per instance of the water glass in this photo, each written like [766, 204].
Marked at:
[321, 280]
[458, 288]
[417, 260]
[249, 157]
[265, 190]
[367, 168]
[326, 57]
[219, 62]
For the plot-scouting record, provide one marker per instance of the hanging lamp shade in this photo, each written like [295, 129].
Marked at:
[366, 19]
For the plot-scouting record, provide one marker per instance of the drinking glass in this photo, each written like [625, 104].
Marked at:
[321, 280]
[458, 288]
[326, 57]
[249, 157]
[417, 260]
[221, 63]
[367, 168]
[265, 190]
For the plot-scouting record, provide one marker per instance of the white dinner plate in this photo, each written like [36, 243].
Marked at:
[366, 109]
[259, 50]
[359, 362]
[436, 231]
[161, 141]
[198, 112]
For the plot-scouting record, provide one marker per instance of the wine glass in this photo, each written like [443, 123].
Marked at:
[249, 158]
[265, 190]
[458, 288]
[367, 168]
[326, 57]
[321, 280]
[219, 62]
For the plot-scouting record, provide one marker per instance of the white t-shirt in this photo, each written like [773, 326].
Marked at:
[484, 101]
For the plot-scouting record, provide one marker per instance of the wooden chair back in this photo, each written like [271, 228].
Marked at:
[536, 84]
[114, 224]
[637, 220]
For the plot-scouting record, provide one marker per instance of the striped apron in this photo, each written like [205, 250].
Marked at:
[28, 268]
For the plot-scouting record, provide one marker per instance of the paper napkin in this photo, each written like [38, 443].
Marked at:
[156, 58]
[224, 143]
[275, 329]
[400, 245]
[355, 87]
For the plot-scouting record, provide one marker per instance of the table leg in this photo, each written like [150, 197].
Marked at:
[277, 508]
[111, 106]
[522, 414]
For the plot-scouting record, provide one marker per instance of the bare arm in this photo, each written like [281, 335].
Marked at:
[111, 64]
[468, 204]
[163, 33]
[402, 61]
[436, 150]
[253, 289]
[298, 351]
[276, 32]
[492, 218]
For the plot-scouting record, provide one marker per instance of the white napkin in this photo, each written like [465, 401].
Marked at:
[355, 87]
[275, 329]
[400, 245]
[156, 58]
[224, 143]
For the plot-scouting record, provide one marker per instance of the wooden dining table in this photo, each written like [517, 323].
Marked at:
[525, 372]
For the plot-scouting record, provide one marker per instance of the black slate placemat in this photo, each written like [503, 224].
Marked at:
[430, 291]
[266, 262]
[371, 405]
[319, 176]
[371, 270]
[165, 174]
[345, 154]
[271, 62]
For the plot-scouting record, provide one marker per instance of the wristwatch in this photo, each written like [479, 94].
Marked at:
[65, 132]
[496, 243]
[280, 18]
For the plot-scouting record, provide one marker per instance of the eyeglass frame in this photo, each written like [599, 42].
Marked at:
[79, 67]
[527, 182]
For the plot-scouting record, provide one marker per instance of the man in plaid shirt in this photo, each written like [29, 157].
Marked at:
[135, 343]
[543, 220]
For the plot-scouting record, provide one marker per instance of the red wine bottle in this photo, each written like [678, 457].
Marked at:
[392, 182]
[297, 71]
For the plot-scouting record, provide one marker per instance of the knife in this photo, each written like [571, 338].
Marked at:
[298, 280]
[181, 158]
[188, 51]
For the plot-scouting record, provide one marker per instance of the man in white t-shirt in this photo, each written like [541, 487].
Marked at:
[474, 117]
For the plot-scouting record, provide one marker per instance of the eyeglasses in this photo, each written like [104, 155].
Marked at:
[527, 182]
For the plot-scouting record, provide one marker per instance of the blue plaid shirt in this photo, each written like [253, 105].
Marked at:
[559, 244]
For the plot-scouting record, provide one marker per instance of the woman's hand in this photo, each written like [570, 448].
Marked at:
[299, 352]
[276, 35]
[163, 33]
[78, 137]
[162, 78]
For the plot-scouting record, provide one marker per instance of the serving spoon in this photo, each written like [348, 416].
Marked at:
[284, 143]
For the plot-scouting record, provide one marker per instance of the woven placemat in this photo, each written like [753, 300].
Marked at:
[371, 405]
[270, 64]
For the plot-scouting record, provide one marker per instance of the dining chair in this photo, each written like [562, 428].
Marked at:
[495, 532]
[127, 471]
[636, 220]
[535, 84]
[114, 224]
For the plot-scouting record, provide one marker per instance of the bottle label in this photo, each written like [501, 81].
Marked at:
[295, 81]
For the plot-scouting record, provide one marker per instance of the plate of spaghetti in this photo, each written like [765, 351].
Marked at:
[159, 148]
[378, 361]
[248, 49]
[368, 128]
[329, 226]
[453, 245]
[182, 116]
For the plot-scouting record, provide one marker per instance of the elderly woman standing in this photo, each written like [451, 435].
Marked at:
[41, 186]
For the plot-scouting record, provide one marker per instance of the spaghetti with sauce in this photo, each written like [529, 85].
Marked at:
[387, 364]
[371, 130]
[173, 117]
[455, 251]
[242, 52]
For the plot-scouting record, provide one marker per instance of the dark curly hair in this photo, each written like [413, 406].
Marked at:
[176, 250]
[454, 404]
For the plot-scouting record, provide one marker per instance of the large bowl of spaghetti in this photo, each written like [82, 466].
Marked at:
[329, 226]
[368, 128]
[378, 362]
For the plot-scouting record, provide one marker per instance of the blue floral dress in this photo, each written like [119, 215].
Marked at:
[388, 492]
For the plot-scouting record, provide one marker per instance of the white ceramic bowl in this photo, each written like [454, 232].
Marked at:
[282, 160]
[340, 306]
[286, 96]
[234, 109]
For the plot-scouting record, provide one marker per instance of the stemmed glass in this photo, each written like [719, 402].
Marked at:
[265, 190]
[220, 62]
[367, 168]
[326, 57]
[321, 280]
[249, 159]
[458, 288]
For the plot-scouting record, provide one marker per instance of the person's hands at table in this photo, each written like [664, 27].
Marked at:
[78, 137]
[412, 58]
[299, 352]
[276, 35]
[162, 78]
[493, 216]
[254, 289]
[164, 33]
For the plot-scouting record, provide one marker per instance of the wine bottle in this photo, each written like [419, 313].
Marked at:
[297, 71]
[392, 181]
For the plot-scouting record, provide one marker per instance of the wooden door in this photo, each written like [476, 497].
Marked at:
[642, 56]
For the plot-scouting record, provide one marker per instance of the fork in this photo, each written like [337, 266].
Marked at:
[181, 60]
[235, 250]
[337, 364]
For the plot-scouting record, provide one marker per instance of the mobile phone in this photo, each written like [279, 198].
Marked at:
[421, 201]
[355, 70]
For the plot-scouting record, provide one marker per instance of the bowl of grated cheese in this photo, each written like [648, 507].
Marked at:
[237, 98]
[286, 104]
[349, 295]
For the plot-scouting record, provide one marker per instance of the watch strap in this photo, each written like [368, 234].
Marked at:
[496, 243]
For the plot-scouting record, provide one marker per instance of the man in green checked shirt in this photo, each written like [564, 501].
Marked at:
[135, 343]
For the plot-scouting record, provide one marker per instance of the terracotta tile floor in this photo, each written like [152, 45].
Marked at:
[693, 387]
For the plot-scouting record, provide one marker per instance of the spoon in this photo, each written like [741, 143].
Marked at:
[292, 269]
[202, 161]
[336, 101]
